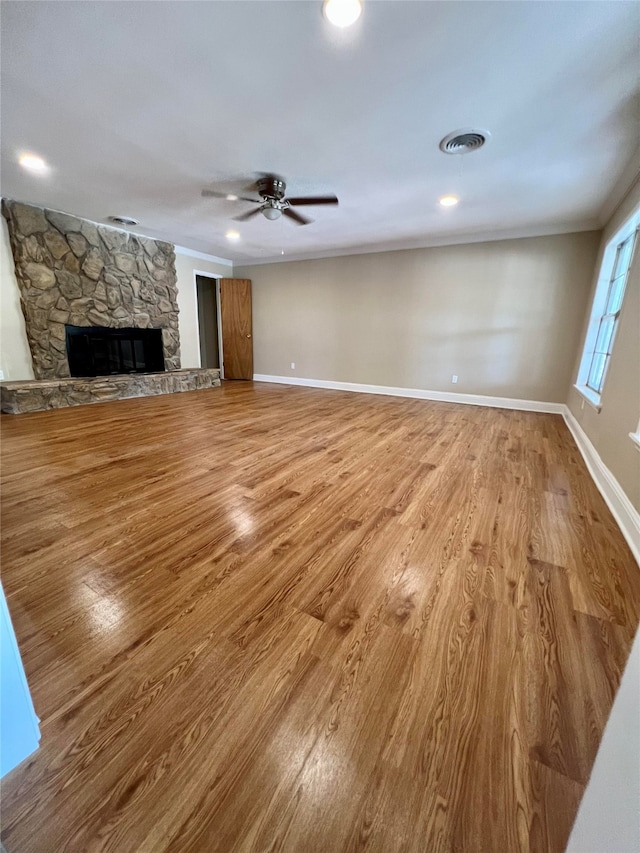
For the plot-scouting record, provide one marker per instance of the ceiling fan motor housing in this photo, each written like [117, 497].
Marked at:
[271, 186]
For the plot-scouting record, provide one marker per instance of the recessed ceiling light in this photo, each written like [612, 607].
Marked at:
[33, 163]
[232, 235]
[122, 220]
[232, 197]
[449, 200]
[342, 13]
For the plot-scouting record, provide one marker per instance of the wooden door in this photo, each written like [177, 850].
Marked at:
[237, 329]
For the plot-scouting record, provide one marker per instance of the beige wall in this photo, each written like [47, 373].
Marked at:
[504, 316]
[186, 268]
[15, 358]
[608, 430]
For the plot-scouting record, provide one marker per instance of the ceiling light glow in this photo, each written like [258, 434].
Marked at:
[232, 197]
[342, 13]
[449, 200]
[33, 163]
[232, 235]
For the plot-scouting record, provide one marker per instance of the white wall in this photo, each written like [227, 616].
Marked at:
[19, 730]
[187, 265]
[15, 357]
[609, 815]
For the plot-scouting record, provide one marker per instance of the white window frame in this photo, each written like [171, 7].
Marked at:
[599, 307]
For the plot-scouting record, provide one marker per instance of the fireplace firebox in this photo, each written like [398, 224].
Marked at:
[100, 351]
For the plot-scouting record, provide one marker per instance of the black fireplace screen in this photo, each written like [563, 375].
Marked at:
[99, 351]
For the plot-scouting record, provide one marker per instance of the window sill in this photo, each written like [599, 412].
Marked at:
[635, 438]
[590, 396]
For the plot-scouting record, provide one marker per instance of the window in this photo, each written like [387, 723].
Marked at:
[605, 313]
[609, 319]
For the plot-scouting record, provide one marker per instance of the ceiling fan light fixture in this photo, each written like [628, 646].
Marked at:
[231, 197]
[271, 213]
[342, 13]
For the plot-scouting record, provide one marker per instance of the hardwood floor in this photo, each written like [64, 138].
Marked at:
[260, 618]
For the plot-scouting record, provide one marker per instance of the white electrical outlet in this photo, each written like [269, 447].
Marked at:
[454, 378]
[293, 365]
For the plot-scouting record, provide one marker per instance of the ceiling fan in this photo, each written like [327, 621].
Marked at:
[273, 203]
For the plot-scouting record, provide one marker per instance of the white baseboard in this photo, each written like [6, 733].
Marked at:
[418, 393]
[625, 514]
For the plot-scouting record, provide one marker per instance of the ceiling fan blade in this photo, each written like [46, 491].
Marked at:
[314, 199]
[292, 214]
[244, 216]
[214, 194]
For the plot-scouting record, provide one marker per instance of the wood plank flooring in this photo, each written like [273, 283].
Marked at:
[266, 618]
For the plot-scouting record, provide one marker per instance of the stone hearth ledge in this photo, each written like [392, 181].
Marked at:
[42, 394]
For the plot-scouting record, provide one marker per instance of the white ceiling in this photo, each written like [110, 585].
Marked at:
[138, 105]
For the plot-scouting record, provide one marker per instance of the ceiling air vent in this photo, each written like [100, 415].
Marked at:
[122, 220]
[464, 141]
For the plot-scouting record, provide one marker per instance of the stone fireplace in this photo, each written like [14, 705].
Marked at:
[74, 272]
[98, 295]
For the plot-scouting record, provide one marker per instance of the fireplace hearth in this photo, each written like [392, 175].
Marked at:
[102, 351]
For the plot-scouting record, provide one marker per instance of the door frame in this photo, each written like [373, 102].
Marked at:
[216, 277]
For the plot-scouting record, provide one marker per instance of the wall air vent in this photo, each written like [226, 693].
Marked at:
[464, 141]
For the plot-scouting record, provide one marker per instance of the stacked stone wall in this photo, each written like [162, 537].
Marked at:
[72, 271]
